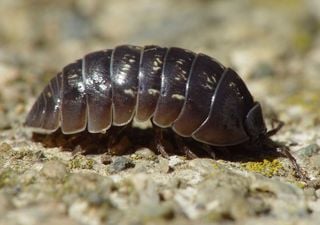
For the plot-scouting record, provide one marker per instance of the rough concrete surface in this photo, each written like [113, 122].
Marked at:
[274, 45]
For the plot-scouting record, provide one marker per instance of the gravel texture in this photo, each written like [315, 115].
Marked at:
[274, 45]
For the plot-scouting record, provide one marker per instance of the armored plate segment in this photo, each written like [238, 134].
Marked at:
[149, 81]
[125, 64]
[229, 106]
[98, 87]
[202, 82]
[74, 107]
[175, 73]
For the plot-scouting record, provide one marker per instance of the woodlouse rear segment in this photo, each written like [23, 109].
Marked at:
[45, 113]
[192, 93]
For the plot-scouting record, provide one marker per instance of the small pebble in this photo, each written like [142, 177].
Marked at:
[309, 150]
[4, 147]
[167, 194]
[164, 165]
[106, 159]
[145, 153]
[120, 163]
[54, 169]
[175, 161]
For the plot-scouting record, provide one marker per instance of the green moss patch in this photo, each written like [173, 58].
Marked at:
[81, 162]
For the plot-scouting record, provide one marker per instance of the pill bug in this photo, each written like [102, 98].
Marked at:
[192, 93]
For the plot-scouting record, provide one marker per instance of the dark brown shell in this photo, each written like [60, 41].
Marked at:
[192, 93]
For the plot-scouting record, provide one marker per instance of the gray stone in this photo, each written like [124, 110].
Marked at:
[286, 200]
[175, 161]
[146, 189]
[309, 150]
[54, 169]
[145, 153]
[164, 165]
[106, 158]
[120, 163]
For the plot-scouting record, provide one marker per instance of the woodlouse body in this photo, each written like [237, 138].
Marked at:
[192, 93]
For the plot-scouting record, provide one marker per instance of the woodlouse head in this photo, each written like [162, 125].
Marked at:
[254, 123]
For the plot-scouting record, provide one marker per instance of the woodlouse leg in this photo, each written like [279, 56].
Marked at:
[184, 148]
[114, 139]
[275, 130]
[284, 150]
[209, 151]
[159, 142]
[115, 136]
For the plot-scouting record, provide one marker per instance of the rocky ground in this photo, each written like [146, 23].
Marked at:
[274, 45]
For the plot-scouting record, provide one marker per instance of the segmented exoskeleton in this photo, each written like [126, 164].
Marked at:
[192, 93]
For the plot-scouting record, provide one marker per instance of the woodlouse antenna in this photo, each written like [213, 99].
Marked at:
[283, 149]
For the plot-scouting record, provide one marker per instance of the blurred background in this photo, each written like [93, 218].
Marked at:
[274, 45]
